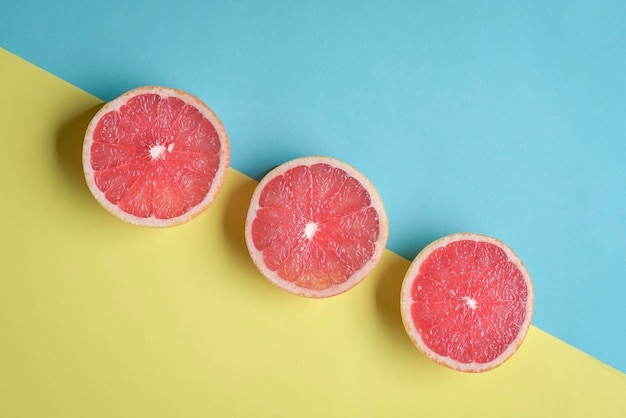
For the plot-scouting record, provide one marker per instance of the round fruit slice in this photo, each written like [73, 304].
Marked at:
[316, 227]
[467, 302]
[155, 156]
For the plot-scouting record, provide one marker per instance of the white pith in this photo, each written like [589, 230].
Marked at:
[470, 302]
[157, 152]
[309, 230]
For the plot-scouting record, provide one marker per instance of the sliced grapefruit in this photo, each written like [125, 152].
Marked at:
[315, 227]
[155, 156]
[467, 302]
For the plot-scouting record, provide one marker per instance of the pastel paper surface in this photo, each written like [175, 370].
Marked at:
[503, 118]
[100, 318]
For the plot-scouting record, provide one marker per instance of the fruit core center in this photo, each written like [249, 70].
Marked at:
[309, 230]
[470, 302]
[157, 151]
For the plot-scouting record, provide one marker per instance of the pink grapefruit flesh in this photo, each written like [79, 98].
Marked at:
[467, 302]
[155, 156]
[315, 227]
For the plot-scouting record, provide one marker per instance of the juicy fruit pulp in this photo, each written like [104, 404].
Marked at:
[467, 302]
[315, 227]
[155, 156]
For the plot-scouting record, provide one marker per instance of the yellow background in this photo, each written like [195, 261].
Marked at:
[104, 319]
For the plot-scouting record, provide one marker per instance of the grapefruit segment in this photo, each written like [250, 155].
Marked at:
[326, 182]
[140, 111]
[115, 182]
[315, 227]
[136, 198]
[110, 129]
[467, 302]
[350, 197]
[167, 111]
[109, 155]
[155, 156]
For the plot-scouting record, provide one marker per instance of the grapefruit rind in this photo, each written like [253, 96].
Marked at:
[406, 302]
[357, 276]
[152, 221]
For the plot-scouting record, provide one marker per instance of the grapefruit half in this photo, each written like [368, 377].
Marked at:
[155, 156]
[315, 227]
[467, 301]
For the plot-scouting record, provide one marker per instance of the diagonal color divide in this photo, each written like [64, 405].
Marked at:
[504, 118]
[103, 319]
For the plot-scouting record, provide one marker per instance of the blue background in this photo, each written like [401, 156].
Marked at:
[493, 117]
